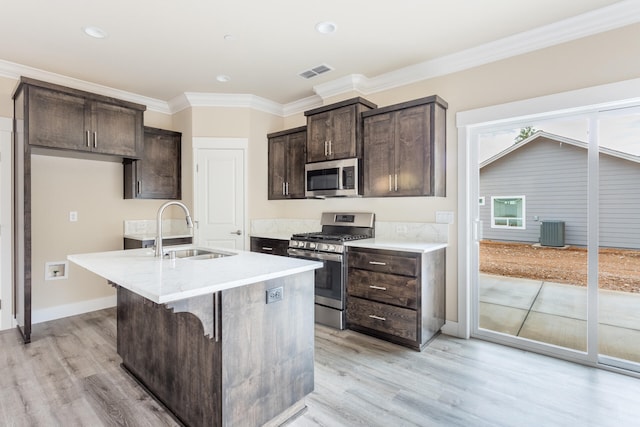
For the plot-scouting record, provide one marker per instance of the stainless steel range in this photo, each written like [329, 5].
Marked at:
[328, 247]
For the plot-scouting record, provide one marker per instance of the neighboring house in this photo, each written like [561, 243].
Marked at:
[544, 177]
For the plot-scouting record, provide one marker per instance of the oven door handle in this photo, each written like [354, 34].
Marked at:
[314, 255]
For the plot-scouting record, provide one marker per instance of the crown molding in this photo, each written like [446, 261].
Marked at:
[618, 15]
[229, 100]
[15, 71]
[604, 19]
[302, 105]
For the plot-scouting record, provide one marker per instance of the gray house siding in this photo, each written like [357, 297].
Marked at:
[553, 179]
[619, 203]
[552, 175]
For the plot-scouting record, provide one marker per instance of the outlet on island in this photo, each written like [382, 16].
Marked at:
[275, 294]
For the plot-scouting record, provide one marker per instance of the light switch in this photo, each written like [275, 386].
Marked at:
[73, 216]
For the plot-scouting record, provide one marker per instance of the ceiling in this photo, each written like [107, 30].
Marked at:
[163, 49]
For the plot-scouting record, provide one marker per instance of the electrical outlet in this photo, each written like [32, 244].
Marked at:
[275, 294]
[73, 216]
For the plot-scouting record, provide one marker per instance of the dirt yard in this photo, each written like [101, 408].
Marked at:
[619, 268]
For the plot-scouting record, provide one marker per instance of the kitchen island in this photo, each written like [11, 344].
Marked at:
[222, 341]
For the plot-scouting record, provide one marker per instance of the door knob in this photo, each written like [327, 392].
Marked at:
[238, 232]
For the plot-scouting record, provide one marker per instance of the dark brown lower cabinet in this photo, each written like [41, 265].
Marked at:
[228, 359]
[396, 296]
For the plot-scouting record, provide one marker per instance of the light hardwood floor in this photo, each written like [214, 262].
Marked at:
[70, 376]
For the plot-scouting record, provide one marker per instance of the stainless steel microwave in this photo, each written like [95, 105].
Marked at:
[334, 178]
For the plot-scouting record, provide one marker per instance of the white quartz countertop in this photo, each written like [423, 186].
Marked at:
[166, 280]
[396, 245]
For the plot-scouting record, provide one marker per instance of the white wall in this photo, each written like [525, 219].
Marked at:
[5, 223]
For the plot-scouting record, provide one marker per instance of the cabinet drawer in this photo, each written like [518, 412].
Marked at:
[382, 287]
[269, 246]
[397, 321]
[385, 262]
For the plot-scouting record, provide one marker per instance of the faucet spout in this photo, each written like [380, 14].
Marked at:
[159, 249]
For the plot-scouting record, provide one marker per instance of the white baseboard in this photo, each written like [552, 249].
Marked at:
[451, 328]
[66, 310]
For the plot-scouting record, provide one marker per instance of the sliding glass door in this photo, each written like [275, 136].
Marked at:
[619, 237]
[557, 220]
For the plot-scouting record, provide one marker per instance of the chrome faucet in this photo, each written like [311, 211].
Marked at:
[159, 248]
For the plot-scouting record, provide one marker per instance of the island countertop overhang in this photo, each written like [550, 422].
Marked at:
[163, 280]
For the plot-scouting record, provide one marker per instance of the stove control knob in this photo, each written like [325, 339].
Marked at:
[331, 248]
[312, 245]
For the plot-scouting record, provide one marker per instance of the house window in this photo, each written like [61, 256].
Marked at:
[508, 212]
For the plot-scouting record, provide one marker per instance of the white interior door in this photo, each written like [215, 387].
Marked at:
[220, 192]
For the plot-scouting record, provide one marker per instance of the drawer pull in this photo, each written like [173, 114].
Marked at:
[373, 316]
[266, 248]
[381, 288]
[377, 263]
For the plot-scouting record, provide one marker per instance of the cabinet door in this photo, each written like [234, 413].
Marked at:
[277, 167]
[116, 130]
[318, 136]
[57, 120]
[295, 165]
[342, 133]
[413, 152]
[378, 161]
[158, 172]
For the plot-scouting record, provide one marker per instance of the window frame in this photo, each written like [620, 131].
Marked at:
[508, 227]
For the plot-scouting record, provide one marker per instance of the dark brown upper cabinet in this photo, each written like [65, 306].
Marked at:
[335, 131]
[157, 175]
[68, 119]
[286, 163]
[404, 149]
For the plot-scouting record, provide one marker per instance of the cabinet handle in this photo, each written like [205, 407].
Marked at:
[267, 248]
[396, 186]
[380, 288]
[237, 232]
[283, 193]
[95, 140]
[325, 149]
[88, 139]
[373, 316]
[377, 263]
[139, 187]
[390, 188]
[330, 148]
[286, 192]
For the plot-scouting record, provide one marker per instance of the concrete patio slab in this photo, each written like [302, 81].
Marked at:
[508, 291]
[557, 330]
[619, 309]
[500, 318]
[562, 300]
[619, 342]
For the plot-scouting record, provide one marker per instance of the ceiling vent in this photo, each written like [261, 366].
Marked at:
[315, 71]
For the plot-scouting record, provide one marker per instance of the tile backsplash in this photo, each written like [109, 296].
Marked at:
[147, 227]
[284, 226]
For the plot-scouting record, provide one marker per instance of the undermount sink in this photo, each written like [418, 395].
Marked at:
[196, 254]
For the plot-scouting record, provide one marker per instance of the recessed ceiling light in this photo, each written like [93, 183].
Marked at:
[326, 27]
[223, 78]
[229, 37]
[95, 32]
